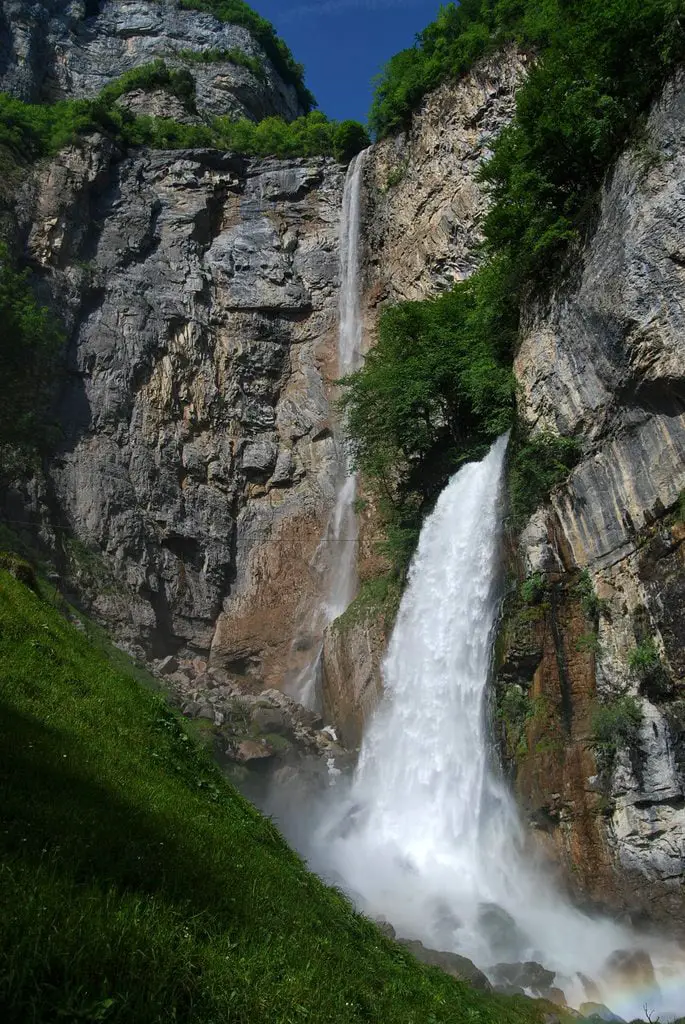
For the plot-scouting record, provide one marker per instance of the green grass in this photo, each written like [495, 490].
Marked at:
[138, 886]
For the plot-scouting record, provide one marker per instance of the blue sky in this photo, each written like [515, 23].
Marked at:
[344, 43]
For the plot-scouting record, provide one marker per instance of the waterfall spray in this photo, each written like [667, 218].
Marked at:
[428, 837]
[336, 556]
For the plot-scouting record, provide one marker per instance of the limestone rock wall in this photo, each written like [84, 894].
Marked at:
[605, 360]
[196, 467]
[56, 49]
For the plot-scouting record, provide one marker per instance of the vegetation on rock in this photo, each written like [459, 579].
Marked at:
[30, 340]
[137, 885]
[239, 13]
[232, 56]
[29, 131]
[445, 365]
[615, 726]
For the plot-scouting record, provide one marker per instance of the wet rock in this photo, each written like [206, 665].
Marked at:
[530, 976]
[499, 927]
[599, 1012]
[168, 665]
[591, 987]
[451, 963]
[253, 750]
[385, 927]
[632, 968]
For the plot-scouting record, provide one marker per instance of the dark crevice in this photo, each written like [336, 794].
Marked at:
[564, 684]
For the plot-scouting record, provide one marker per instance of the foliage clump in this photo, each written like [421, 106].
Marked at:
[434, 392]
[534, 588]
[157, 75]
[30, 342]
[30, 131]
[18, 567]
[538, 465]
[231, 56]
[586, 593]
[646, 662]
[616, 725]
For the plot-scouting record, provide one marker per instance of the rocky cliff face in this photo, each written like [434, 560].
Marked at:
[58, 49]
[197, 461]
[604, 360]
[199, 292]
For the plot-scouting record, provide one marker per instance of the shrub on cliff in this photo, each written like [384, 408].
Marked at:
[30, 339]
[31, 131]
[597, 67]
[434, 392]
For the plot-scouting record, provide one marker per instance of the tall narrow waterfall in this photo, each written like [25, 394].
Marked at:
[428, 837]
[336, 556]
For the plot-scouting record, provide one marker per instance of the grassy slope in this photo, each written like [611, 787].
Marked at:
[137, 885]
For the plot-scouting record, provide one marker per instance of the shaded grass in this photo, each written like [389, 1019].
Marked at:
[138, 886]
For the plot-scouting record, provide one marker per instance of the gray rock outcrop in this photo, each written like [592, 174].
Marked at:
[604, 360]
[57, 49]
[197, 466]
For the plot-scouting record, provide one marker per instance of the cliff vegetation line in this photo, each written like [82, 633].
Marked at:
[137, 885]
[439, 387]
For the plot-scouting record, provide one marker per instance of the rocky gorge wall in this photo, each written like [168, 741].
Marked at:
[194, 469]
[601, 360]
[604, 361]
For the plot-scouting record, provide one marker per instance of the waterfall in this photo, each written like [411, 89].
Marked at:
[428, 837]
[336, 556]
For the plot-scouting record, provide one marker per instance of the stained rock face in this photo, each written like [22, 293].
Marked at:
[604, 360]
[197, 468]
[59, 49]
[424, 203]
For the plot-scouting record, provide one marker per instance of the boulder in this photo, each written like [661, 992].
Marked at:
[271, 720]
[500, 928]
[259, 458]
[252, 750]
[451, 963]
[530, 975]
[168, 665]
[630, 967]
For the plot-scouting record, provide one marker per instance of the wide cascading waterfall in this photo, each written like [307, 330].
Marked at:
[428, 836]
[336, 557]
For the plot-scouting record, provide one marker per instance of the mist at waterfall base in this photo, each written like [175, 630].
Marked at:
[425, 835]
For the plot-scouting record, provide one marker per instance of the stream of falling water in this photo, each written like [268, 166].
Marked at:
[335, 560]
[428, 836]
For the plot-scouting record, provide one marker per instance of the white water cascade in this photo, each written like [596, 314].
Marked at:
[336, 557]
[428, 837]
